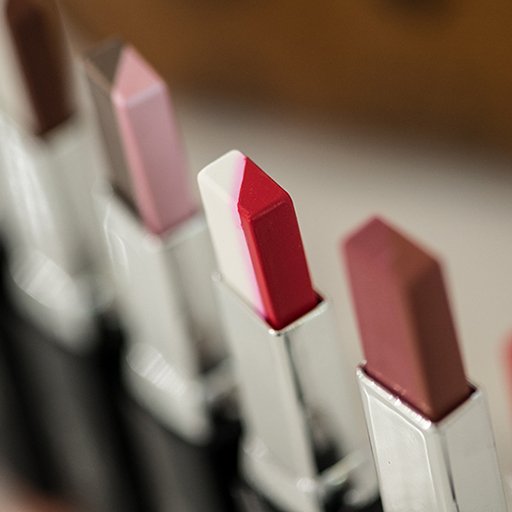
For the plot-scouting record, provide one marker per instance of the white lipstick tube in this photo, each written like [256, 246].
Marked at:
[70, 358]
[50, 181]
[51, 228]
[449, 466]
[58, 259]
[293, 400]
[166, 300]
[62, 330]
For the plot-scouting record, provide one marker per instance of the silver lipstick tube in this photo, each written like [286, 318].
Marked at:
[294, 398]
[57, 263]
[61, 324]
[167, 306]
[181, 407]
[448, 466]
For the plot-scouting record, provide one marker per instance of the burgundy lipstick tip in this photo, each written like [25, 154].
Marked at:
[404, 318]
[38, 42]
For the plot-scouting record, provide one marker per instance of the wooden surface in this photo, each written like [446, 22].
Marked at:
[437, 67]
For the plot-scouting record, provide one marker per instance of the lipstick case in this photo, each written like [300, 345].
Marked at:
[298, 449]
[62, 324]
[68, 345]
[50, 221]
[20, 452]
[441, 457]
[75, 398]
[175, 369]
[73, 386]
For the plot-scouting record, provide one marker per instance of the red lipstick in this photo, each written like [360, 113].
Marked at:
[289, 360]
[273, 238]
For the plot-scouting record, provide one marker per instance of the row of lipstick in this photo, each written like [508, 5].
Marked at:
[304, 447]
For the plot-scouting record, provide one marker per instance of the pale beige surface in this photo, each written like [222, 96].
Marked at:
[459, 206]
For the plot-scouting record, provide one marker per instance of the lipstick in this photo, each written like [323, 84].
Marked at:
[47, 173]
[62, 325]
[429, 427]
[175, 368]
[303, 447]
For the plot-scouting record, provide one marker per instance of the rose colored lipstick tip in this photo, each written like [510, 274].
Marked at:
[404, 318]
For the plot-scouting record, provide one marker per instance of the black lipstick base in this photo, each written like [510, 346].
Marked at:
[21, 454]
[83, 453]
[183, 476]
[250, 500]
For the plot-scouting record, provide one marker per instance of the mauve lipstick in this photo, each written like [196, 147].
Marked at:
[416, 355]
[430, 430]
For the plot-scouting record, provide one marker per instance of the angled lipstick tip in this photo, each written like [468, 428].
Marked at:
[273, 237]
[135, 78]
[404, 318]
[151, 144]
[257, 239]
[39, 47]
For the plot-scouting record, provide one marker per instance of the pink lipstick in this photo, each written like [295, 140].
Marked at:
[152, 146]
[299, 419]
[174, 366]
[430, 430]
[159, 246]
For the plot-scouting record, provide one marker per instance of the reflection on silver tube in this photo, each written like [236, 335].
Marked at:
[449, 466]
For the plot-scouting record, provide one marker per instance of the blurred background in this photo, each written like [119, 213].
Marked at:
[437, 67]
[394, 107]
